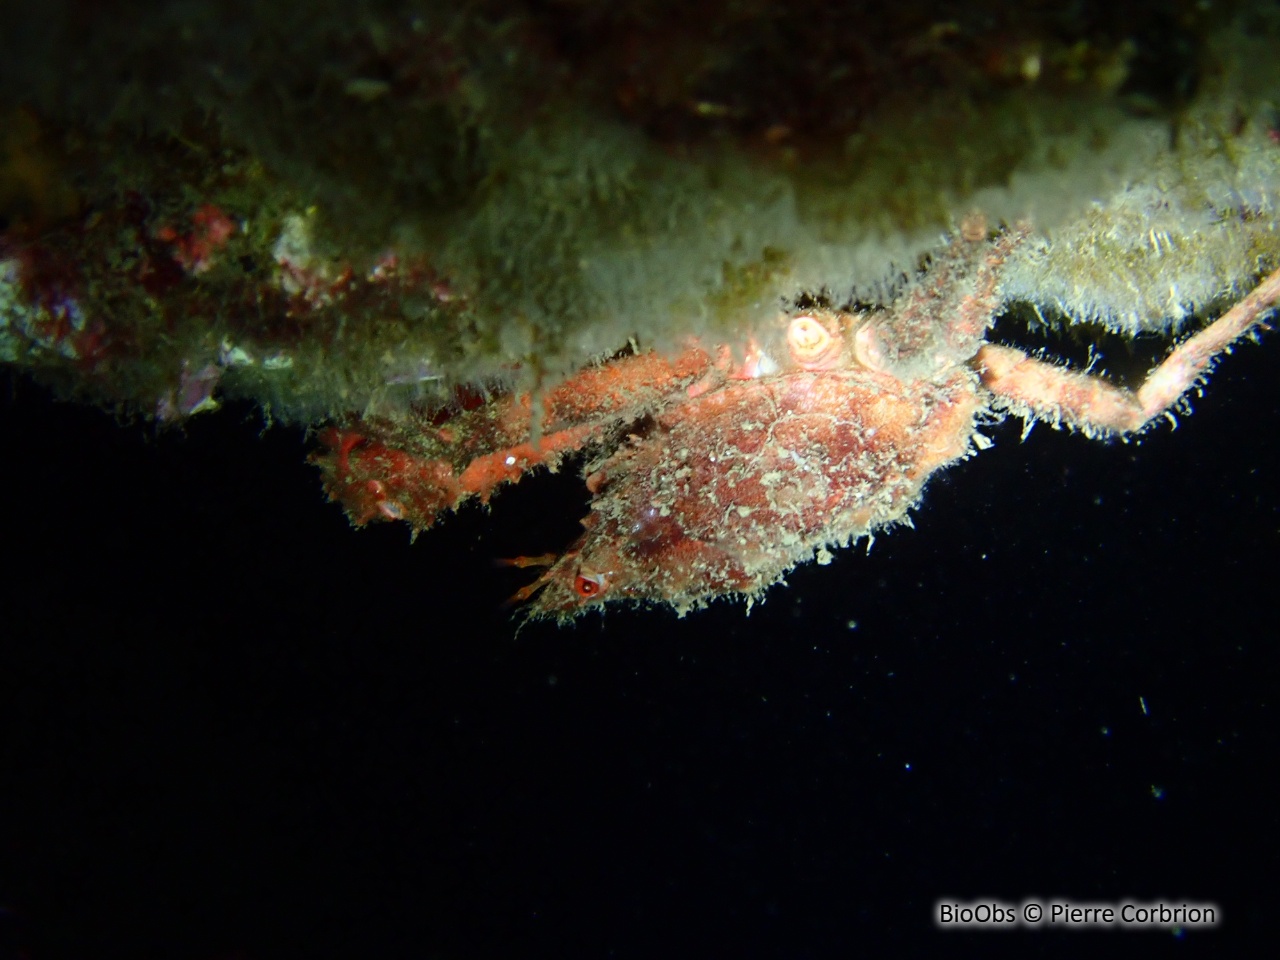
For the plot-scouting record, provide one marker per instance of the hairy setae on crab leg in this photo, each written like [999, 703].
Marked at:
[1039, 390]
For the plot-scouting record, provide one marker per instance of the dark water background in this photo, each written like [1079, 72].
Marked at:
[232, 726]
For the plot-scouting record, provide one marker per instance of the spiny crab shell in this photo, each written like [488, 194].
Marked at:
[735, 487]
[713, 477]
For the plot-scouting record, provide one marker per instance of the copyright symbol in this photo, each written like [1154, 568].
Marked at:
[1032, 912]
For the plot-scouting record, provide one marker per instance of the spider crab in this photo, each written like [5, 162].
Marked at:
[714, 475]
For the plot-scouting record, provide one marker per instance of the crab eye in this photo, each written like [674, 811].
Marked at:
[812, 345]
[590, 584]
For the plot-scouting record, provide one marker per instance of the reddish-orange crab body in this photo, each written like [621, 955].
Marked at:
[731, 490]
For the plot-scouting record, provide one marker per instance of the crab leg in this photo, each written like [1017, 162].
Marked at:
[1032, 388]
[407, 467]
